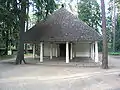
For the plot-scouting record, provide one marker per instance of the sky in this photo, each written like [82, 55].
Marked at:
[74, 4]
[74, 8]
[106, 3]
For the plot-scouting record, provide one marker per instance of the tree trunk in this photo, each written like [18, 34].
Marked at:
[6, 49]
[16, 20]
[105, 48]
[27, 24]
[20, 55]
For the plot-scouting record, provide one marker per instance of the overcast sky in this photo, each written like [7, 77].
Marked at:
[106, 3]
[74, 4]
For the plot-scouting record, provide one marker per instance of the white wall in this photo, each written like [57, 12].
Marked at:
[47, 49]
[82, 49]
[53, 49]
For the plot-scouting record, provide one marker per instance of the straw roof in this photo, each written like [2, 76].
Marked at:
[61, 26]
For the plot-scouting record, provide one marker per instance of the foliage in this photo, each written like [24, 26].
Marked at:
[43, 8]
[118, 5]
[6, 57]
[10, 11]
[113, 24]
[8, 23]
[117, 36]
[114, 53]
[89, 12]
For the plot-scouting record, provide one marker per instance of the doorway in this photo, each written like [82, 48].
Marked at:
[62, 48]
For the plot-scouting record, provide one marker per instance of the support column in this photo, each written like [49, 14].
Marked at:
[56, 51]
[50, 51]
[41, 52]
[71, 51]
[92, 51]
[96, 51]
[74, 51]
[91, 48]
[33, 50]
[67, 52]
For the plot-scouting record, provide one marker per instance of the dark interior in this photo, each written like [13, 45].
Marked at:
[63, 50]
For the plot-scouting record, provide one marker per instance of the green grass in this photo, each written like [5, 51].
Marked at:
[6, 57]
[11, 56]
[28, 54]
[114, 53]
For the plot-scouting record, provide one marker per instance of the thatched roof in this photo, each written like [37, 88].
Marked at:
[61, 26]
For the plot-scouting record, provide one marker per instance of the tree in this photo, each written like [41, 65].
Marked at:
[89, 12]
[118, 5]
[117, 31]
[27, 22]
[114, 24]
[43, 8]
[105, 48]
[20, 55]
[117, 41]
[12, 21]
[8, 23]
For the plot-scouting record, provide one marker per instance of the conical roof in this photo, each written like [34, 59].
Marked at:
[61, 26]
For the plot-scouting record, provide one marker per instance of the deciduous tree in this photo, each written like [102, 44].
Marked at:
[105, 47]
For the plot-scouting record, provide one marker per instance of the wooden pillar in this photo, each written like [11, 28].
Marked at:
[96, 51]
[41, 52]
[33, 50]
[56, 51]
[71, 51]
[50, 51]
[90, 54]
[67, 52]
[92, 51]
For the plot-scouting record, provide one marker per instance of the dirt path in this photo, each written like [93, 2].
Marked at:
[36, 77]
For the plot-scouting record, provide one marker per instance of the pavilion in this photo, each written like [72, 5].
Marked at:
[63, 35]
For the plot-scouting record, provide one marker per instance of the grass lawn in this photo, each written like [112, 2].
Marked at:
[6, 57]
[114, 53]
[12, 56]
[28, 54]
